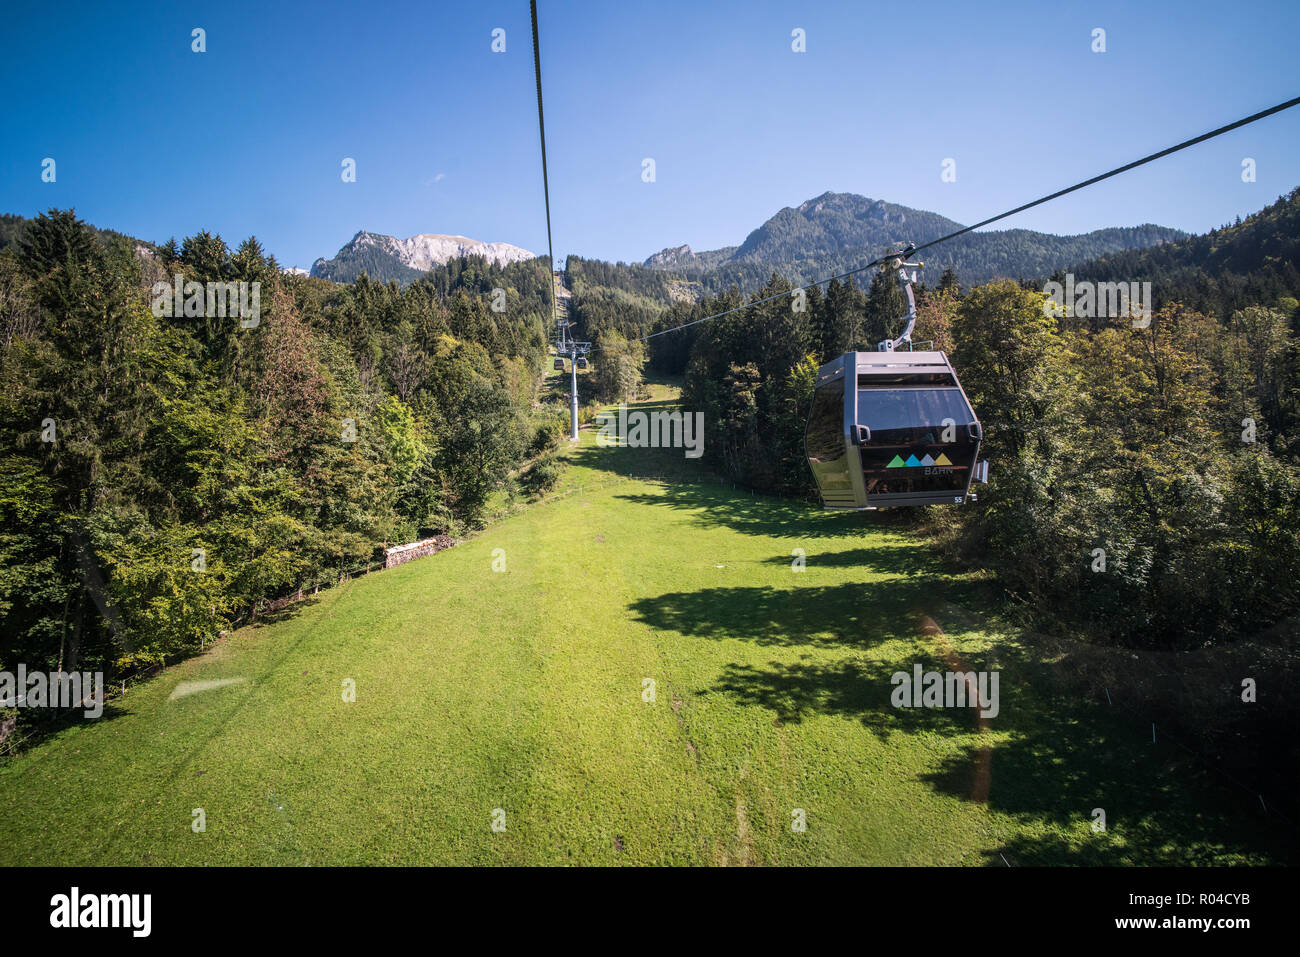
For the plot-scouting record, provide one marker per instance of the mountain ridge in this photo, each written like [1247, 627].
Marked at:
[384, 257]
[835, 232]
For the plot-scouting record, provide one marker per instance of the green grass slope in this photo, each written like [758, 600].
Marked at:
[524, 690]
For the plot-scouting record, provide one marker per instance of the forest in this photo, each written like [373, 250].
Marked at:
[161, 479]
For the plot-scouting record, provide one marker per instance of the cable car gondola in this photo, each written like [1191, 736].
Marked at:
[893, 427]
[558, 365]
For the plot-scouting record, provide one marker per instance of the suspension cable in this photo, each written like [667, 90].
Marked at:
[546, 186]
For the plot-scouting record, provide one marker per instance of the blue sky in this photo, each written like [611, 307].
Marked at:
[155, 140]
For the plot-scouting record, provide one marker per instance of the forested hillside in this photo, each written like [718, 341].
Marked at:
[1224, 270]
[160, 477]
[375, 259]
[613, 304]
[836, 232]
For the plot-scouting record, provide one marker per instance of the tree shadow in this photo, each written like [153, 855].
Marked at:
[630, 461]
[290, 610]
[1066, 757]
[861, 690]
[721, 506]
[718, 500]
[1051, 760]
[39, 725]
[892, 559]
[1053, 754]
[1056, 751]
[851, 614]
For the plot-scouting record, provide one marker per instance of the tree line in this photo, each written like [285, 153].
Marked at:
[161, 476]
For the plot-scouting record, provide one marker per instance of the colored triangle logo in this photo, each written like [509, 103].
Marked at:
[912, 460]
[895, 463]
[942, 460]
[927, 461]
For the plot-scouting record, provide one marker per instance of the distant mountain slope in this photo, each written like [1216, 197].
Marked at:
[385, 257]
[834, 223]
[1250, 262]
[679, 257]
[835, 232]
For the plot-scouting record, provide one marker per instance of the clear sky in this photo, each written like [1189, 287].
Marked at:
[155, 140]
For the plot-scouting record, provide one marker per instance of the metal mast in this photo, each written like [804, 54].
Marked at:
[576, 353]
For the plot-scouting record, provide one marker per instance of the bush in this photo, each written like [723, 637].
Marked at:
[549, 435]
[541, 476]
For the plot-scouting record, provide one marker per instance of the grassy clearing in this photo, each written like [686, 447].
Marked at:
[523, 690]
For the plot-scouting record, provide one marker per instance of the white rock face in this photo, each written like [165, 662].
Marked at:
[427, 250]
[673, 255]
[295, 271]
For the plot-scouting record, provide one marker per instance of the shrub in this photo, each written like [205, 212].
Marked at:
[541, 476]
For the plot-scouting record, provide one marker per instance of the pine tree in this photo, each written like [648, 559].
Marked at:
[57, 240]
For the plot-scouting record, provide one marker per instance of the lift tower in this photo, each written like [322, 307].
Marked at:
[576, 353]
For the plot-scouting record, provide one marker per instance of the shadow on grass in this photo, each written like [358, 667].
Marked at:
[1053, 755]
[720, 502]
[1053, 762]
[797, 691]
[893, 559]
[37, 725]
[627, 461]
[736, 509]
[852, 615]
[292, 610]
[1067, 757]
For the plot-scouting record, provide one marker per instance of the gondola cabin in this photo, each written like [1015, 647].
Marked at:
[559, 365]
[891, 429]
